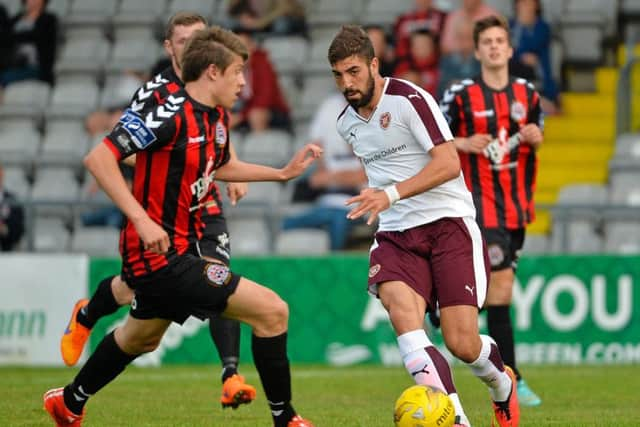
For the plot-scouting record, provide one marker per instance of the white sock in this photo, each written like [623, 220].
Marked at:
[498, 381]
[458, 407]
[420, 365]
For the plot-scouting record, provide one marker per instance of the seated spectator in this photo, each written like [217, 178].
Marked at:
[385, 55]
[103, 120]
[108, 215]
[456, 66]
[281, 17]
[423, 17]
[261, 104]
[11, 218]
[531, 39]
[337, 177]
[421, 62]
[470, 10]
[5, 38]
[33, 39]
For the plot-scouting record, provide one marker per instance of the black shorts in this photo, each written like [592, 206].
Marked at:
[188, 286]
[215, 240]
[503, 247]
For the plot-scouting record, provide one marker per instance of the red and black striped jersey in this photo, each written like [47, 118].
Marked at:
[503, 178]
[155, 92]
[179, 145]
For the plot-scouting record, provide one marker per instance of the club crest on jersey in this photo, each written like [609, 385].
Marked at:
[125, 141]
[221, 134]
[385, 119]
[517, 111]
[217, 274]
[496, 255]
[374, 270]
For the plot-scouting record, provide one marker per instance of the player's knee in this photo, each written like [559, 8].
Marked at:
[150, 344]
[462, 347]
[280, 312]
[133, 343]
[276, 319]
[122, 293]
[143, 345]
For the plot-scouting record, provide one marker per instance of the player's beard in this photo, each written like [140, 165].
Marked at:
[366, 97]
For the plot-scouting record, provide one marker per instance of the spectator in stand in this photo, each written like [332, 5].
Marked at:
[5, 38]
[338, 176]
[261, 105]
[33, 37]
[462, 64]
[470, 10]
[422, 62]
[282, 17]
[385, 54]
[101, 121]
[531, 39]
[423, 17]
[109, 215]
[11, 218]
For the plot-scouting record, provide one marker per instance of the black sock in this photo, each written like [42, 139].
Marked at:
[106, 363]
[500, 329]
[101, 304]
[225, 334]
[270, 358]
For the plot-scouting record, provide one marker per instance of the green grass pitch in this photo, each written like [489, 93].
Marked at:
[331, 397]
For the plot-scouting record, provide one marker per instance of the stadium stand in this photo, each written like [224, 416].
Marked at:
[270, 147]
[583, 162]
[302, 242]
[251, 236]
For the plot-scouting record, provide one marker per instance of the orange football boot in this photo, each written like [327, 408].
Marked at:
[235, 392]
[54, 405]
[508, 412]
[74, 337]
[298, 421]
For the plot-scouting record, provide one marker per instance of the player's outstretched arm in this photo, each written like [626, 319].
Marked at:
[103, 165]
[236, 170]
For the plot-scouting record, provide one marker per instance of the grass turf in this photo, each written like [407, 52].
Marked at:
[330, 397]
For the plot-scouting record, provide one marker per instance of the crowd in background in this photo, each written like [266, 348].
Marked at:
[425, 45]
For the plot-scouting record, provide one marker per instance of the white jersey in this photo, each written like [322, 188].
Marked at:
[394, 144]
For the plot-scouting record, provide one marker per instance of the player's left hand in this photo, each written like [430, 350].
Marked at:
[371, 201]
[236, 191]
[301, 161]
[531, 134]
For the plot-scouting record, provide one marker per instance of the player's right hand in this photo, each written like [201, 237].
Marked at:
[476, 143]
[154, 237]
[302, 160]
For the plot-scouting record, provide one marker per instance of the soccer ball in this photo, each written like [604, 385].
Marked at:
[424, 406]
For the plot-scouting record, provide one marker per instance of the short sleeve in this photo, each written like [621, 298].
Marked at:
[536, 116]
[425, 120]
[136, 132]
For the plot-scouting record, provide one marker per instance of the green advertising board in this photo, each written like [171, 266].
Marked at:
[565, 310]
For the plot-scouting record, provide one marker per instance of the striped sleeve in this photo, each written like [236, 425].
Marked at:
[136, 132]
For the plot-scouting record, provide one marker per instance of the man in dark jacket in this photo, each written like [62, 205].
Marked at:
[11, 218]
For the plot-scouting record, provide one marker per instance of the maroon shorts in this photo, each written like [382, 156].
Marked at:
[444, 261]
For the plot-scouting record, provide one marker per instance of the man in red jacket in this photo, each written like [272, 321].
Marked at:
[262, 104]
